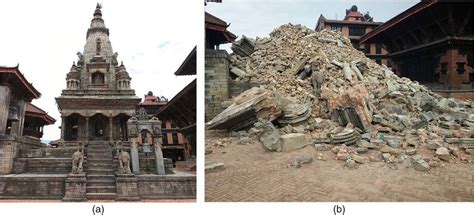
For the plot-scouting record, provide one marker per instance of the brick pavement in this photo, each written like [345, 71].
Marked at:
[252, 174]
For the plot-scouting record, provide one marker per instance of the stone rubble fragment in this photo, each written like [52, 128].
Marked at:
[443, 153]
[300, 160]
[419, 163]
[214, 167]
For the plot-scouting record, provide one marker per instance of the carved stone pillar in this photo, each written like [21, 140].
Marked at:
[15, 128]
[111, 128]
[63, 127]
[134, 157]
[160, 164]
[5, 93]
[87, 128]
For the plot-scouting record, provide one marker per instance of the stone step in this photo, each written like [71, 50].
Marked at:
[101, 196]
[100, 177]
[98, 159]
[100, 182]
[99, 151]
[108, 157]
[100, 189]
[104, 170]
[105, 165]
[100, 173]
[99, 148]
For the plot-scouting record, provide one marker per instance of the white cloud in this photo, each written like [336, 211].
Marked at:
[151, 37]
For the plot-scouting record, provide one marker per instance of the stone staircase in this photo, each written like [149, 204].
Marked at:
[100, 172]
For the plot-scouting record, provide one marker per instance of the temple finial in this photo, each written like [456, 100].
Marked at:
[97, 12]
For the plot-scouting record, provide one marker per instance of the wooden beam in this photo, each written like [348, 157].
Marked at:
[466, 21]
[436, 20]
[451, 26]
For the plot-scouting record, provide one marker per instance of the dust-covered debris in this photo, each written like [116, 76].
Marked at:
[315, 86]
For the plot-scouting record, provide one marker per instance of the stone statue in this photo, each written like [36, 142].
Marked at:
[114, 58]
[98, 47]
[142, 115]
[156, 130]
[145, 145]
[77, 160]
[124, 162]
[81, 58]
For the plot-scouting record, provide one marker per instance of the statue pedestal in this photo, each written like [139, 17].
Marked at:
[75, 190]
[127, 187]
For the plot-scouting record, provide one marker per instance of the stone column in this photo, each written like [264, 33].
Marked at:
[135, 158]
[21, 116]
[111, 128]
[5, 94]
[160, 164]
[63, 127]
[15, 128]
[87, 128]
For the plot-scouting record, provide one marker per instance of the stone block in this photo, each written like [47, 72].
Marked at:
[213, 167]
[127, 187]
[75, 189]
[293, 141]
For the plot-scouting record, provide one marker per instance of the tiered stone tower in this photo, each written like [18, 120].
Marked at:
[95, 108]
[98, 100]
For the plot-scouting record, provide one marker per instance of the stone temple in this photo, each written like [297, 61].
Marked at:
[110, 147]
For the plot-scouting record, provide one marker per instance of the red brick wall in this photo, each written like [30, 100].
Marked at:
[459, 95]
[452, 78]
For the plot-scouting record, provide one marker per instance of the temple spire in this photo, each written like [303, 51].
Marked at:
[98, 12]
[97, 23]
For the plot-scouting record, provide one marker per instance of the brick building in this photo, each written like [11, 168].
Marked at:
[216, 65]
[432, 42]
[35, 120]
[179, 117]
[18, 117]
[353, 26]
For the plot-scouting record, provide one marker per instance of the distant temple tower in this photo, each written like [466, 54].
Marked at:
[98, 99]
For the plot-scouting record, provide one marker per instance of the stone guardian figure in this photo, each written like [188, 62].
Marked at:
[77, 160]
[124, 162]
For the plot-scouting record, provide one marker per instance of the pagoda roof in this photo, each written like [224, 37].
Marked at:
[216, 24]
[188, 67]
[31, 92]
[398, 19]
[36, 112]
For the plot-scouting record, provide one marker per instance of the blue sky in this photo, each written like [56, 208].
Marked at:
[259, 17]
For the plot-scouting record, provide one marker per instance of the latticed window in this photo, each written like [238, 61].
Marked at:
[460, 67]
[175, 138]
[378, 49]
[356, 30]
[336, 27]
[444, 68]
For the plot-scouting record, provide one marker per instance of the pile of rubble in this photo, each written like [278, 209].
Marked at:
[315, 88]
